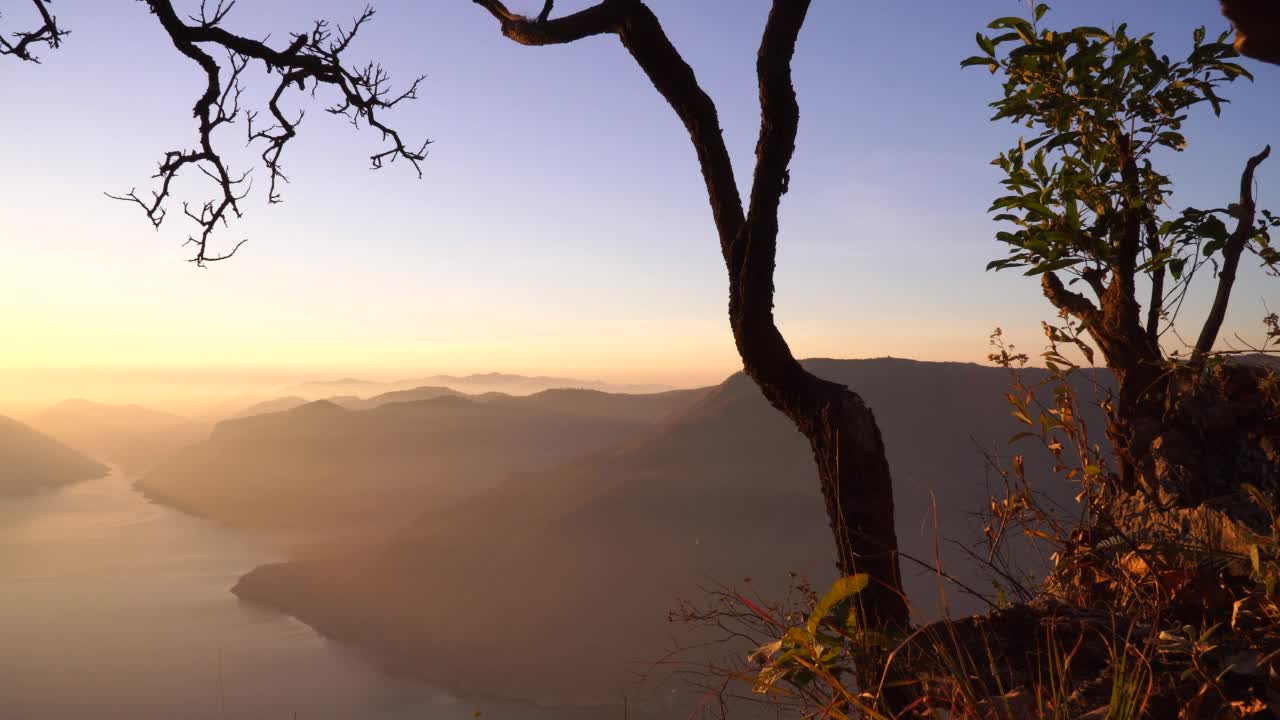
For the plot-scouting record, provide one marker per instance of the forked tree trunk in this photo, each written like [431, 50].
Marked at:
[849, 453]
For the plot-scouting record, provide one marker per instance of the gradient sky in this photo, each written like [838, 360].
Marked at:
[561, 226]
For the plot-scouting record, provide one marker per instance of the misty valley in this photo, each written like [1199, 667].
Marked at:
[430, 550]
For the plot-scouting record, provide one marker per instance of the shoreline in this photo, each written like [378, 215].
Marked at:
[433, 672]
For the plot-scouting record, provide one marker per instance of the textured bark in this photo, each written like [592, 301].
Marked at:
[841, 429]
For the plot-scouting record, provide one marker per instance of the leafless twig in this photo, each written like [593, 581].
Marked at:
[315, 57]
[48, 34]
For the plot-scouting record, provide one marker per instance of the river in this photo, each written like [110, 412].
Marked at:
[114, 607]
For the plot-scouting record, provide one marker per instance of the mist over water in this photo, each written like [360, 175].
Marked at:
[118, 608]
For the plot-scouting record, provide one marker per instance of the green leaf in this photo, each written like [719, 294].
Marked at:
[1017, 24]
[986, 45]
[1038, 209]
[843, 589]
[1172, 140]
[1215, 229]
[1040, 10]
[1053, 265]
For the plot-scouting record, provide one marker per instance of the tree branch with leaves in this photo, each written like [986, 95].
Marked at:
[1085, 203]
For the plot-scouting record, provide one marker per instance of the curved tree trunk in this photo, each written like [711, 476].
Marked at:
[847, 447]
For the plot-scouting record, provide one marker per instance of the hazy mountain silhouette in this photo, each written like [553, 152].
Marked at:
[325, 468]
[474, 384]
[648, 407]
[131, 436]
[524, 385]
[317, 389]
[31, 461]
[350, 402]
[552, 585]
[280, 404]
[427, 392]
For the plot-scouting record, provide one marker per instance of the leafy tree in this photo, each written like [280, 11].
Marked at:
[847, 447]
[1085, 202]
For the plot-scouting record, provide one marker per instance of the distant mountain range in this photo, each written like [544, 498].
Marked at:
[530, 543]
[351, 402]
[324, 468]
[134, 437]
[554, 585]
[474, 384]
[32, 462]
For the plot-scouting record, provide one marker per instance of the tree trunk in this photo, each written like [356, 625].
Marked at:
[852, 469]
[858, 490]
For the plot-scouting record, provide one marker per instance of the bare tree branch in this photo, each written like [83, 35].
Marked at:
[1156, 305]
[315, 56]
[546, 10]
[600, 19]
[47, 34]
[1231, 257]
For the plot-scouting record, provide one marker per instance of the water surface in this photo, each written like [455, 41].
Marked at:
[114, 607]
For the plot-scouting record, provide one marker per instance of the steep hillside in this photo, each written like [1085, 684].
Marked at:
[329, 470]
[582, 562]
[133, 437]
[31, 461]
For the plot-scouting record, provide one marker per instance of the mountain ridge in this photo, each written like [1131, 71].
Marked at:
[722, 491]
[321, 465]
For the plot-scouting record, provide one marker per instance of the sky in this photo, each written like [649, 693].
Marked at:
[561, 225]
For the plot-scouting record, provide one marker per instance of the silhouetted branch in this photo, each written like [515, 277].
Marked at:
[546, 10]
[753, 257]
[314, 56]
[207, 20]
[606, 17]
[1156, 305]
[47, 34]
[1231, 256]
